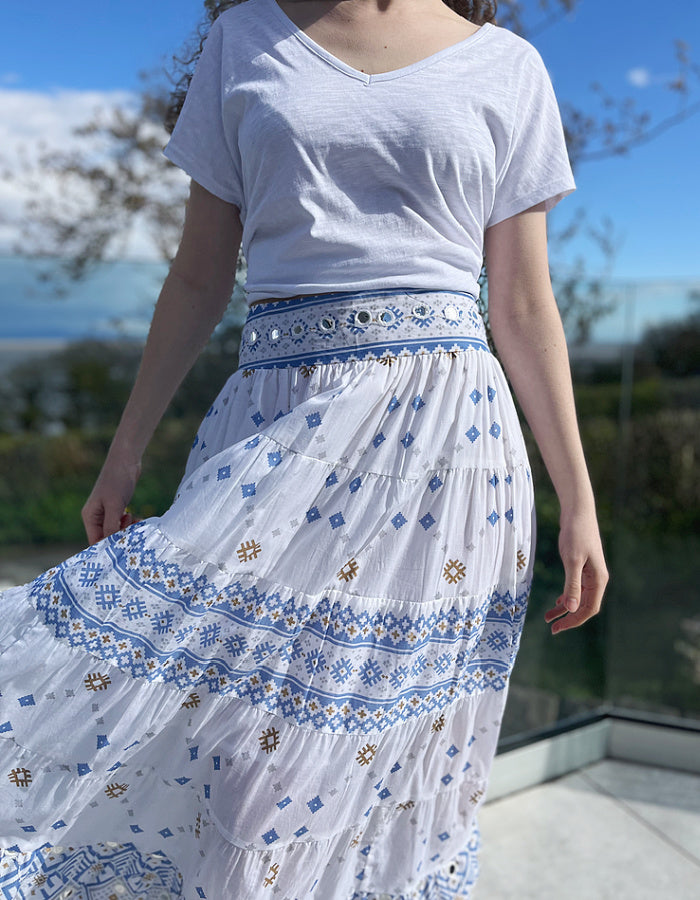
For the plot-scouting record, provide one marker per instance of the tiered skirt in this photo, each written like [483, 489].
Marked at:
[291, 684]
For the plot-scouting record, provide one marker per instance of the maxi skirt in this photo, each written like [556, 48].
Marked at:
[291, 684]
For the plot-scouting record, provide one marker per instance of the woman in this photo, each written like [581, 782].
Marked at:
[292, 682]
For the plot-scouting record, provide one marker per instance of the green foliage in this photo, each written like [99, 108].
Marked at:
[44, 485]
[84, 386]
[652, 593]
[648, 396]
[674, 347]
[48, 478]
[87, 385]
[58, 419]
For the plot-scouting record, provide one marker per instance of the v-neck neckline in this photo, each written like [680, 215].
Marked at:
[342, 66]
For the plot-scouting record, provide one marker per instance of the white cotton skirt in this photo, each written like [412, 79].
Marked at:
[291, 684]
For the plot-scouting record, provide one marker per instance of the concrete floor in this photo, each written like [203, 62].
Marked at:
[610, 831]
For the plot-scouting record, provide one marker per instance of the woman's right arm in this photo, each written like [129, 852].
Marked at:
[191, 303]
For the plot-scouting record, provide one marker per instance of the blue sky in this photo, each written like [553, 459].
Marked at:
[651, 195]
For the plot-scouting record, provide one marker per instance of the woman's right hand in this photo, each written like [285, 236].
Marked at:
[104, 511]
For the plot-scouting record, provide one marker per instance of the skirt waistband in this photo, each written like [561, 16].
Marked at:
[350, 326]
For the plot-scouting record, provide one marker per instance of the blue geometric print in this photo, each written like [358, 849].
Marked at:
[98, 863]
[452, 881]
[106, 596]
[219, 653]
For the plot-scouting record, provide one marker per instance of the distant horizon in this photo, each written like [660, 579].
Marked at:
[103, 306]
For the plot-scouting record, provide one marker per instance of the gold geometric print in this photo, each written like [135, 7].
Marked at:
[522, 560]
[439, 723]
[366, 754]
[97, 682]
[274, 869]
[349, 570]
[248, 550]
[192, 702]
[454, 571]
[20, 777]
[269, 740]
[115, 790]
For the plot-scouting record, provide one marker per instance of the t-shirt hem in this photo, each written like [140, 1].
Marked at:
[285, 291]
[550, 196]
[194, 170]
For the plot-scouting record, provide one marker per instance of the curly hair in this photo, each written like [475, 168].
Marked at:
[476, 11]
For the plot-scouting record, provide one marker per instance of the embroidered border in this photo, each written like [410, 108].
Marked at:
[119, 868]
[330, 666]
[370, 325]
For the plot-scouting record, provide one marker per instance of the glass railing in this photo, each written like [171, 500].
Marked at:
[637, 385]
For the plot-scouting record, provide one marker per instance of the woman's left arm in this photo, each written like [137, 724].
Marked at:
[529, 336]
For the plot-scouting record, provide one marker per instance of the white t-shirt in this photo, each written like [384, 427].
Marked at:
[348, 181]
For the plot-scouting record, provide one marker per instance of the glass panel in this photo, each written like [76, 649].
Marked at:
[637, 385]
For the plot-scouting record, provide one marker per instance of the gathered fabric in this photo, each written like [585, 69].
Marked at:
[291, 683]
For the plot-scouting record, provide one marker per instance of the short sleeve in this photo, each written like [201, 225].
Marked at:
[534, 166]
[203, 142]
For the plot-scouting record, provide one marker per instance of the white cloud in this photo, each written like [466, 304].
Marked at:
[28, 118]
[639, 77]
[32, 123]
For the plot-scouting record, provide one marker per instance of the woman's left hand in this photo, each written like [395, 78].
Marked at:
[586, 574]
